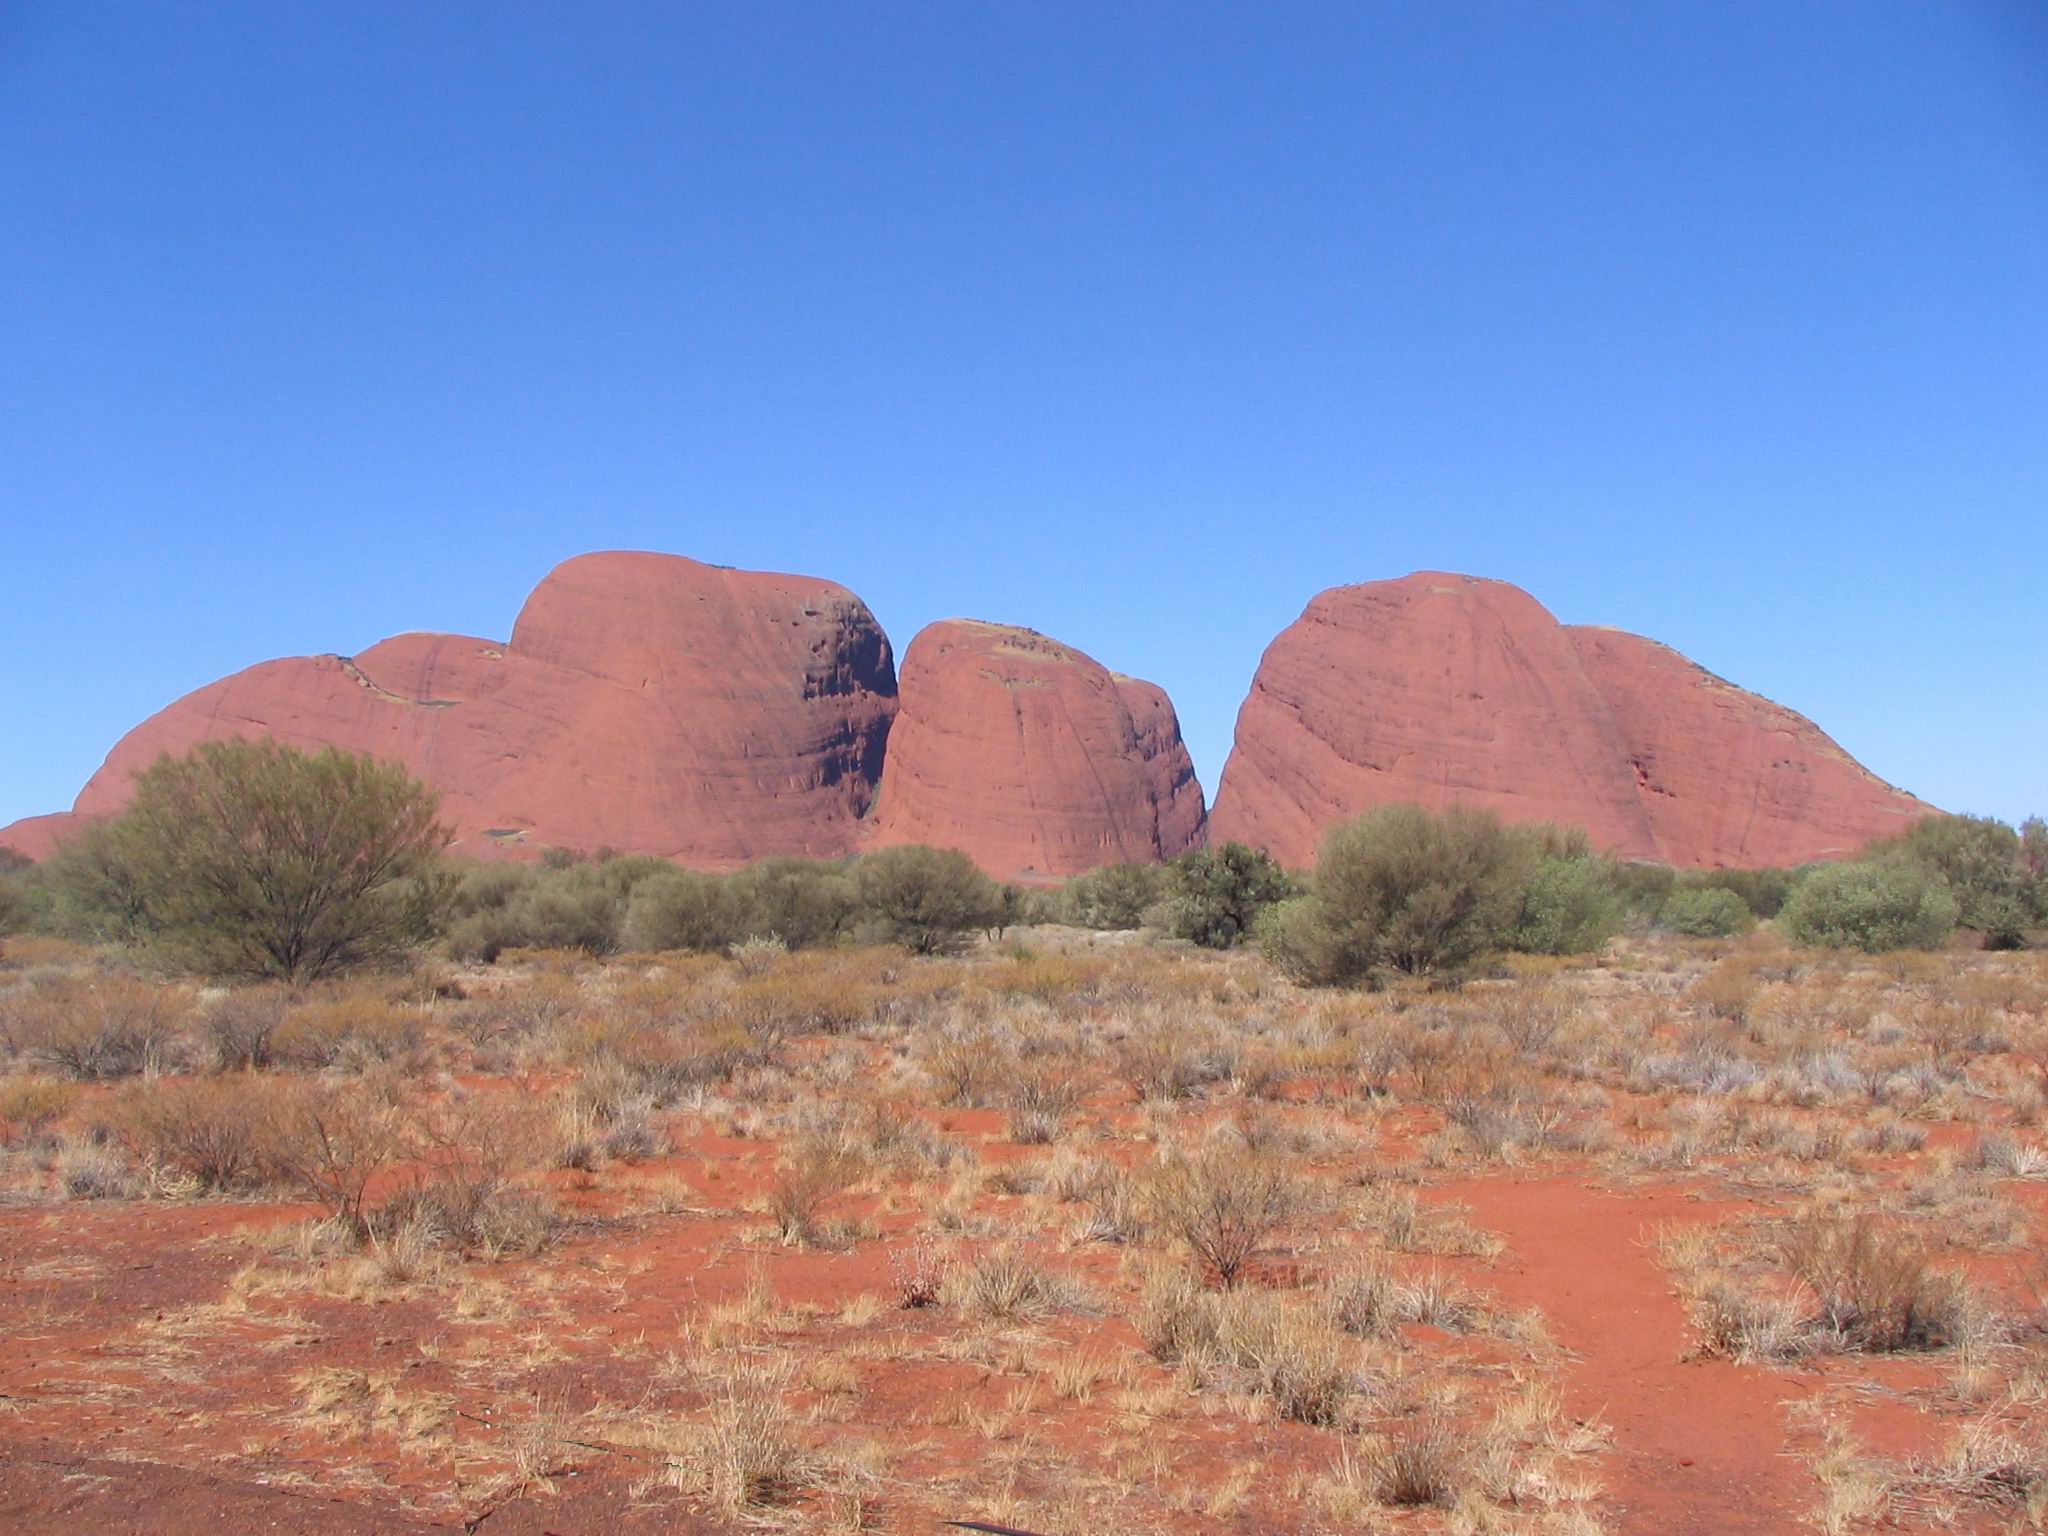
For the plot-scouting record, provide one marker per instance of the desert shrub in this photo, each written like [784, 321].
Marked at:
[29, 1106]
[1114, 896]
[1290, 1351]
[1224, 1204]
[743, 1455]
[918, 1274]
[1705, 912]
[929, 900]
[1403, 888]
[2033, 861]
[1299, 937]
[1979, 859]
[567, 901]
[89, 1170]
[796, 995]
[799, 901]
[90, 885]
[660, 1064]
[237, 1029]
[1644, 887]
[331, 1140]
[479, 923]
[1528, 1017]
[331, 1027]
[1762, 891]
[1568, 907]
[1057, 980]
[816, 1171]
[681, 909]
[1165, 1058]
[963, 1064]
[1217, 894]
[1004, 1284]
[251, 858]
[1363, 1300]
[17, 908]
[1040, 1094]
[96, 1027]
[1260, 1340]
[469, 1188]
[1875, 1284]
[1872, 907]
[1727, 990]
[1482, 1090]
[207, 1129]
[1423, 1460]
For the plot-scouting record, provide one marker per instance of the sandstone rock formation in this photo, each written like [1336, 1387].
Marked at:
[1726, 777]
[645, 702]
[653, 704]
[1443, 689]
[1032, 757]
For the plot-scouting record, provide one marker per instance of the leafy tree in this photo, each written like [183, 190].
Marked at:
[1218, 893]
[91, 886]
[926, 899]
[1705, 912]
[252, 858]
[1875, 907]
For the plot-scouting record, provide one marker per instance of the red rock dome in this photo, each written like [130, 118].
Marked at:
[1032, 757]
[645, 702]
[1441, 689]
[1728, 778]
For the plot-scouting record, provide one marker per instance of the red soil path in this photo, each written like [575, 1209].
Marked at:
[1700, 1445]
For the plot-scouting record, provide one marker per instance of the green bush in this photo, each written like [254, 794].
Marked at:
[1115, 896]
[1404, 889]
[1643, 888]
[16, 911]
[1706, 912]
[252, 858]
[681, 909]
[1986, 865]
[1298, 936]
[562, 902]
[926, 899]
[90, 887]
[2034, 864]
[799, 901]
[1217, 894]
[1762, 891]
[1873, 907]
[1568, 907]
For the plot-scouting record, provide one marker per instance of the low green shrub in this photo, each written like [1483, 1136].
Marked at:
[1872, 907]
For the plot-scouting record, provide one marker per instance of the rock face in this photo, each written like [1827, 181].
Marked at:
[653, 704]
[1032, 757]
[645, 702]
[1442, 689]
[1728, 778]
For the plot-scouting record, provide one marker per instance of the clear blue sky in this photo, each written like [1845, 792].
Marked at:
[1138, 324]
